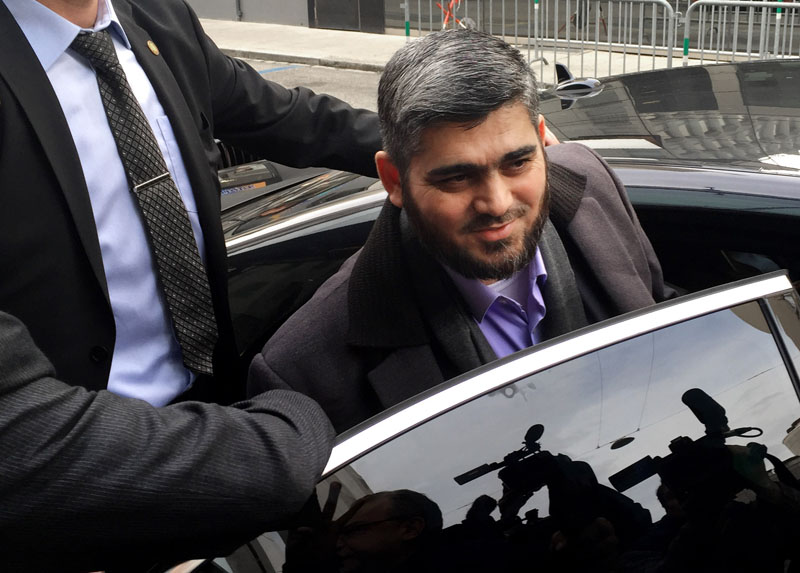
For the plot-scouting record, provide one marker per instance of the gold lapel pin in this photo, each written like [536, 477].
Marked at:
[153, 48]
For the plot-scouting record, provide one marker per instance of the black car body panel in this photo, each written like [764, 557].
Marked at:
[710, 157]
[741, 116]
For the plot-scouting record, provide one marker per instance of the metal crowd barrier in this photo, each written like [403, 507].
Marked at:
[598, 38]
[729, 30]
[592, 37]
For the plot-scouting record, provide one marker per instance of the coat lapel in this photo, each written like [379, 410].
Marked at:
[381, 305]
[449, 320]
[562, 301]
[404, 373]
[28, 81]
[402, 305]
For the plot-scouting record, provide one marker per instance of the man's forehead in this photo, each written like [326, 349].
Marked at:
[478, 142]
[376, 507]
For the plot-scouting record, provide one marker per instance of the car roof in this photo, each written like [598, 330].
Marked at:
[742, 116]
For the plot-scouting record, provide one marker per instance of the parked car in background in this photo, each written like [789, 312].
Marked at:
[550, 459]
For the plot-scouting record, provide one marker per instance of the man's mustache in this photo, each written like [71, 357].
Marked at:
[484, 220]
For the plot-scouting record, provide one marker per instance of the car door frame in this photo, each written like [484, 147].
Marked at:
[416, 411]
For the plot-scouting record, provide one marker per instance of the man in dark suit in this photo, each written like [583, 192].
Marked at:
[94, 481]
[77, 267]
[485, 246]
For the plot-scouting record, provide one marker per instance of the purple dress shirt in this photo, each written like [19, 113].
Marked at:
[509, 311]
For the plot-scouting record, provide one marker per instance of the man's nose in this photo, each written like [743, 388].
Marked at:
[493, 196]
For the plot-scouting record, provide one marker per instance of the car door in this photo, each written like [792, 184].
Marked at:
[519, 457]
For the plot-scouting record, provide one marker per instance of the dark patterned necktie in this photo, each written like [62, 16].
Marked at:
[180, 270]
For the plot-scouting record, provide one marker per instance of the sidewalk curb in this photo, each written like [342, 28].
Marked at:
[307, 60]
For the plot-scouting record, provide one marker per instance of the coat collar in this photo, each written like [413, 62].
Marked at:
[379, 292]
[567, 189]
[401, 300]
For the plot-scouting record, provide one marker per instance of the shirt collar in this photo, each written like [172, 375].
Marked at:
[479, 297]
[50, 35]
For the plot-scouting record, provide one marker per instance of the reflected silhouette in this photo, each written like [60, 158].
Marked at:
[391, 531]
[724, 512]
[589, 525]
[387, 532]
[660, 535]
[708, 525]
[735, 516]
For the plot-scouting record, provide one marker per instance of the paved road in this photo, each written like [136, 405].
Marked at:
[358, 88]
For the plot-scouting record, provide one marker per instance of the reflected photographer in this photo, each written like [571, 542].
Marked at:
[737, 517]
[724, 511]
[589, 524]
[388, 531]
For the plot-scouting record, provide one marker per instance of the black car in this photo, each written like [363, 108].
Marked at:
[565, 456]
[576, 440]
[710, 157]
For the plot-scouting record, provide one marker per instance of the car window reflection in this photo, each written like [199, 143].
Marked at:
[633, 388]
[521, 478]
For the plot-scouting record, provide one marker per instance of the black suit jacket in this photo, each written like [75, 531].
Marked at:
[92, 481]
[391, 324]
[53, 277]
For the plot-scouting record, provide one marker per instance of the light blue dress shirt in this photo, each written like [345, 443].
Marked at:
[147, 360]
[509, 311]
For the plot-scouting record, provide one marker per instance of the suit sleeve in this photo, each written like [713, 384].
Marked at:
[91, 479]
[292, 126]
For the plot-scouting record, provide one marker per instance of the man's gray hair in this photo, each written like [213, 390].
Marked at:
[453, 76]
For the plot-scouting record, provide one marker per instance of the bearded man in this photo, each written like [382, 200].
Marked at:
[486, 245]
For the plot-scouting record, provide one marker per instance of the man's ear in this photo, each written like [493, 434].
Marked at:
[546, 136]
[390, 177]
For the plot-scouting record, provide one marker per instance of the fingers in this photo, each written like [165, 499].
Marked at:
[330, 504]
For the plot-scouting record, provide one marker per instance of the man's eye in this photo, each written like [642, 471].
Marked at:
[518, 164]
[452, 180]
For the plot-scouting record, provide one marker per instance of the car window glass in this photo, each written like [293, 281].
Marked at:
[713, 199]
[785, 310]
[759, 86]
[633, 388]
[544, 448]
[698, 233]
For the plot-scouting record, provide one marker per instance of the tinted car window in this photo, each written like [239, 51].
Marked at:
[531, 441]
[760, 85]
[662, 92]
[630, 389]
[273, 274]
[713, 236]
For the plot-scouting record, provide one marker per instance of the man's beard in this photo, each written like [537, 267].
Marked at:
[463, 262]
